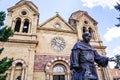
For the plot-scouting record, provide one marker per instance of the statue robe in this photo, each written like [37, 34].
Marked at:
[82, 60]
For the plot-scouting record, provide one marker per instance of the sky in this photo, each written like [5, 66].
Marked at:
[102, 11]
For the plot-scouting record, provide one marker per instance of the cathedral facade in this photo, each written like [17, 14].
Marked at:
[41, 51]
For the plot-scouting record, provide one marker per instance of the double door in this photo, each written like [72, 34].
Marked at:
[58, 77]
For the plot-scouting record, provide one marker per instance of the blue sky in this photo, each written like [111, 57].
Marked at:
[101, 10]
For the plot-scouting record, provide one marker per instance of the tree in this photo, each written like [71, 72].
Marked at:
[117, 7]
[2, 18]
[117, 61]
[5, 33]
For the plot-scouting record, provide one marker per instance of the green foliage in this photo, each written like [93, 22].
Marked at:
[5, 33]
[2, 18]
[117, 7]
[5, 63]
[117, 66]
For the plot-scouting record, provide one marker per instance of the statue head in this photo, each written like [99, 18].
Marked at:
[86, 37]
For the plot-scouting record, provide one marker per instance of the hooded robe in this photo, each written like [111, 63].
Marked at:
[82, 60]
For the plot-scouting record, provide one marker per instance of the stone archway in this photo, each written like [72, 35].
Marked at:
[18, 69]
[60, 63]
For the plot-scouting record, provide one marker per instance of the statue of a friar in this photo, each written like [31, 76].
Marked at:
[82, 60]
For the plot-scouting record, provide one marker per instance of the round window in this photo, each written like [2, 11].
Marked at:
[23, 12]
[85, 22]
[57, 25]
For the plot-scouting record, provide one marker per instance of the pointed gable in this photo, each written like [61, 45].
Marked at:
[21, 3]
[57, 23]
[78, 14]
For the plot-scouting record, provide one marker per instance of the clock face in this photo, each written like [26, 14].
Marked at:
[58, 43]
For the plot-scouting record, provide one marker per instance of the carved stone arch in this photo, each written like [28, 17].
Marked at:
[15, 17]
[26, 25]
[17, 24]
[92, 32]
[22, 18]
[84, 29]
[26, 17]
[58, 62]
[51, 63]
[18, 71]
[17, 61]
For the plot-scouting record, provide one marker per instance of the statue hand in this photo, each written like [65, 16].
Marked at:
[111, 59]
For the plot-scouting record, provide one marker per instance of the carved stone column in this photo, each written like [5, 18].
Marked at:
[23, 73]
[29, 28]
[69, 76]
[12, 73]
[13, 25]
[26, 70]
[31, 63]
[21, 27]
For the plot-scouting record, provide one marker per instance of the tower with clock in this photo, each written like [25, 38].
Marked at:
[41, 51]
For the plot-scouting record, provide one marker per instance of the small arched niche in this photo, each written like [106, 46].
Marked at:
[26, 26]
[17, 24]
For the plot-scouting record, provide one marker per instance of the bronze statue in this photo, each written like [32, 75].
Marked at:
[82, 60]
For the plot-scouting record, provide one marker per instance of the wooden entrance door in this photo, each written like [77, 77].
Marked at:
[58, 77]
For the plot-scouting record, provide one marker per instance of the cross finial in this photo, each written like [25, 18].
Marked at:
[57, 12]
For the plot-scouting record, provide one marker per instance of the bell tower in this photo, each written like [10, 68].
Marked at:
[82, 22]
[23, 17]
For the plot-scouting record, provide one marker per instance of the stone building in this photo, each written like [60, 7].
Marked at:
[115, 74]
[41, 51]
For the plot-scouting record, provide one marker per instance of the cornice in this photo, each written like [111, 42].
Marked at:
[99, 47]
[23, 41]
[57, 30]
[25, 34]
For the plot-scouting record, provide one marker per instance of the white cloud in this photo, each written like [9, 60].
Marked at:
[102, 3]
[112, 64]
[116, 50]
[112, 54]
[112, 33]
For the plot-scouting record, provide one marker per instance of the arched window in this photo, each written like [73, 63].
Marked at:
[26, 26]
[19, 64]
[59, 72]
[91, 32]
[73, 22]
[84, 29]
[58, 68]
[17, 25]
[18, 71]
